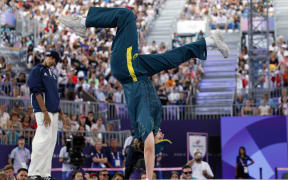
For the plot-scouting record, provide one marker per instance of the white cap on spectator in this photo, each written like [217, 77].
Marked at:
[285, 53]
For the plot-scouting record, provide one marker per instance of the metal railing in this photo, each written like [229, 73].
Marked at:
[10, 136]
[113, 111]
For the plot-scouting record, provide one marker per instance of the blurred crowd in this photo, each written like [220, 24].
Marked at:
[85, 64]
[222, 14]
[21, 122]
[103, 157]
[271, 76]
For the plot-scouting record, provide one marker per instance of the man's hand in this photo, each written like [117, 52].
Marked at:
[204, 172]
[63, 117]
[47, 120]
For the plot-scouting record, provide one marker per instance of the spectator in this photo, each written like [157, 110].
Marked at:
[118, 176]
[74, 122]
[83, 124]
[115, 157]
[9, 171]
[22, 174]
[64, 158]
[248, 109]
[99, 126]
[99, 157]
[200, 169]
[283, 107]
[4, 117]
[264, 109]
[90, 119]
[77, 175]
[174, 175]
[92, 176]
[222, 22]
[15, 129]
[143, 176]
[3, 176]
[186, 172]
[103, 175]
[239, 102]
[242, 164]
[20, 156]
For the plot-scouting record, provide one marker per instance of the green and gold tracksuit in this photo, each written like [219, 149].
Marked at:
[133, 70]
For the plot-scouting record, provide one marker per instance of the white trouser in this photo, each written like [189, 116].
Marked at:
[43, 146]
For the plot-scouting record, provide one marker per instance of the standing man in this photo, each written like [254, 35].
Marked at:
[201, 169]
[133, 70]
[20, 156]
[46, 106]
[64, 158]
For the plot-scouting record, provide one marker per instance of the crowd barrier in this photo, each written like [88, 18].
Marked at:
[10, 136]
[113, 111]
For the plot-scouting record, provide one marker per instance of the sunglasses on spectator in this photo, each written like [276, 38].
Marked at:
[105, 174]
[188, 172]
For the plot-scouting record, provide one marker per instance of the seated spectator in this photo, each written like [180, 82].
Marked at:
[9, 171]
[92, 176]
[222, 22]
[115, 156]
[143, 176]
[99, 157]
[248, 109]
[83, 124]
[4, 117]
[90, 119]
[186, 172]
[264, 109]
[20, 156]
[103, 175]
[74, 122]
[77, 175]
[283, 107]
[2, 64]
[174, 175]
[239, 102]
[269, 101]
[201, 169]
[118, 176]
[22, 174]
[99, 126]
[3, 176]
[15, 129]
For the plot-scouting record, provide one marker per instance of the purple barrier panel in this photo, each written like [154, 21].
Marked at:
[265, 140]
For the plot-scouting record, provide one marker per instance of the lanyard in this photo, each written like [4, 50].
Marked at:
[242, 162]
[113, 156]
[97, 154]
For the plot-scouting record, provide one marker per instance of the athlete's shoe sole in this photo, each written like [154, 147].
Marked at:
[74, 23]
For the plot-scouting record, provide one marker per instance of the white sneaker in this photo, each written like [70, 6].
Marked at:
[220, 45]
[74, 22]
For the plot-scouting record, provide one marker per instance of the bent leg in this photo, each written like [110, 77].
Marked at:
[155, 63]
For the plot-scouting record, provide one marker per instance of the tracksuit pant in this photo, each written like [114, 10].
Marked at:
[132, 69]
[43, 145]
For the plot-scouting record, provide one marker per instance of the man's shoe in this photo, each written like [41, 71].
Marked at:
[220, 45]
[35, 178]
[74, 22]
[49, 178]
